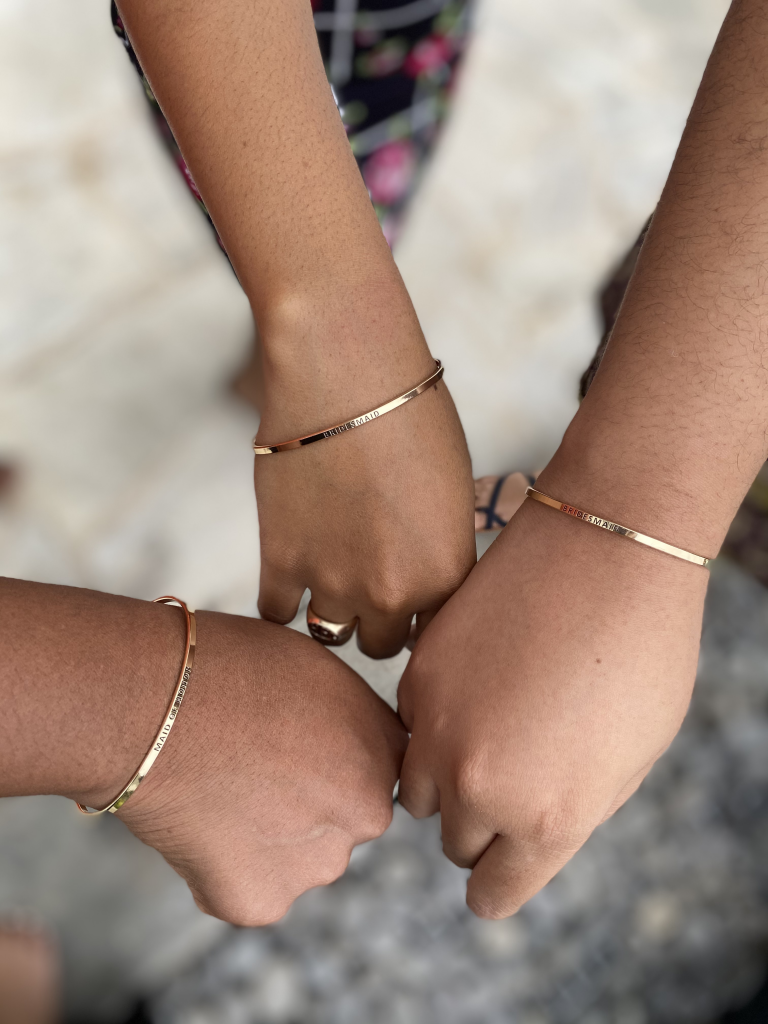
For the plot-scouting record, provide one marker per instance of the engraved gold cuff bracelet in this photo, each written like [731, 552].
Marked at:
[623, 531]
[170, 717]
[358, 421]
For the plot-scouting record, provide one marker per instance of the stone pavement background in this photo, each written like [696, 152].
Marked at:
[120, 328]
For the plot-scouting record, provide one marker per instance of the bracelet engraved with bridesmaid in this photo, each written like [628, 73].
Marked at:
[357, 421]
[623, 531]
[170, 716]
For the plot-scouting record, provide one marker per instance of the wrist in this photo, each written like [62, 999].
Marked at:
[230, 659]
[642, 483]
[593, 564]
[101, 667]
[117, 730]
[326, 358]
[196, 734]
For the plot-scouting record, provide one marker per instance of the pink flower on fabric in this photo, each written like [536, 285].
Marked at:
[182, 165]
[428, 55]
[383, 59]
[389, 171]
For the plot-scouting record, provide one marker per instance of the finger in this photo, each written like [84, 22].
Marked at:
[381, 636]
[332, 607]
[423, 619]
[465, 839]
[418, 791]
[631, 787]
[405, 702]
[410, 643]
[511, 871]
[279, 596]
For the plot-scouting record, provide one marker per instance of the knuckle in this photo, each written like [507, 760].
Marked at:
[332, 598]
[241, 905]
[262, 914]
[556, 827]
[333, 867]
[390, 597]
[377, 820]
[471, 784]
[331, 585]
[245, 912]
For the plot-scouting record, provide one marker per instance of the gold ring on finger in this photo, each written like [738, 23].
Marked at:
[332, 634]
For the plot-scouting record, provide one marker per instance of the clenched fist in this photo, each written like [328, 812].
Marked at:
[281, 761]
[541, 695]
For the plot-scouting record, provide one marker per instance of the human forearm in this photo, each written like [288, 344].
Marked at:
[377, 523]
[584, 644]
[281, 759]
[243, 87]
[673, 430]
[85, 680]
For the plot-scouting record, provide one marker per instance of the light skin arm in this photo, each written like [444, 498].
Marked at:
[280, 760]
[376, 522]
[547, 687]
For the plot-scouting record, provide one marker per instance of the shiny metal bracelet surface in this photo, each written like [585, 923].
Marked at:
[623, 531]
[170, 718]
[358, 421]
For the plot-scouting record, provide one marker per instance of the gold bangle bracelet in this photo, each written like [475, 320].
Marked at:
[623, 531]
[358, 421]
[170, 718]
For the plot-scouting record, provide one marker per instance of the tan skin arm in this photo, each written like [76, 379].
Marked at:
[546, 688]
[676, 422]
[378, 522]
[280, 760]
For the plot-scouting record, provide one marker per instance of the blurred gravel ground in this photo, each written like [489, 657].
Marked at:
[661, 919]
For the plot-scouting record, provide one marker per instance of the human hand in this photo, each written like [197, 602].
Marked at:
[281, 760]
[376, 522]
[541, 695]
